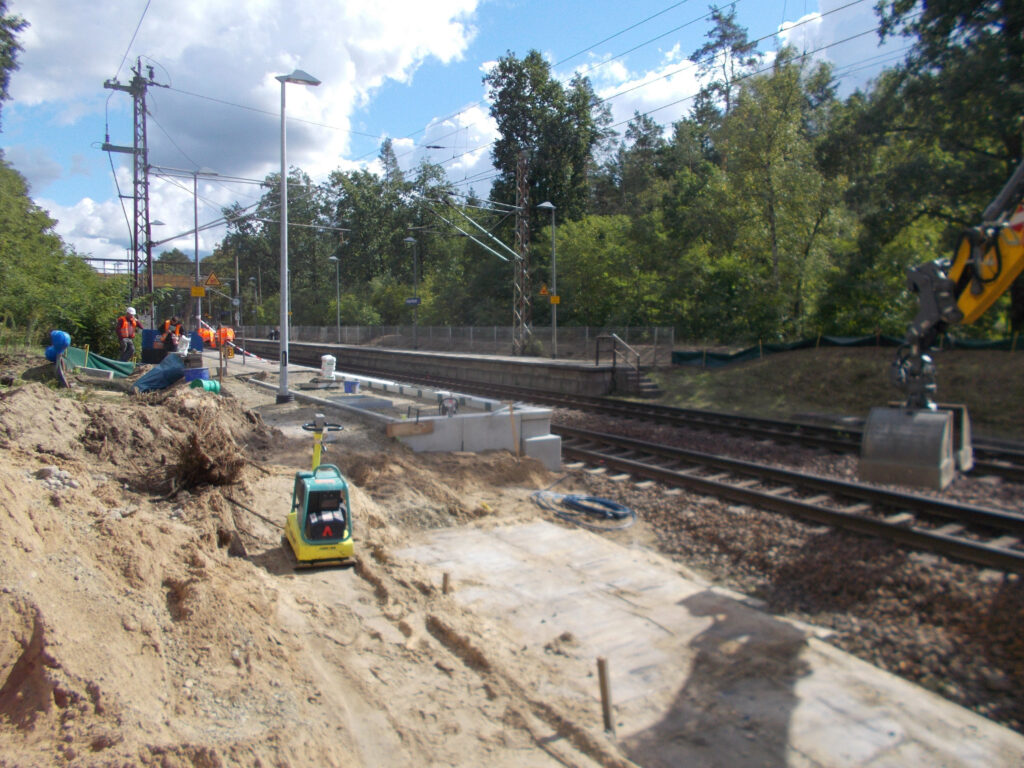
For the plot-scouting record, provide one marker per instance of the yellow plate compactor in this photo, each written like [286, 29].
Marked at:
[319, 526]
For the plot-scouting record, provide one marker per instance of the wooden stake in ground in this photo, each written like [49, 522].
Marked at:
[606, 695]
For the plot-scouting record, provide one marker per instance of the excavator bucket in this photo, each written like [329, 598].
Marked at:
[905, 446]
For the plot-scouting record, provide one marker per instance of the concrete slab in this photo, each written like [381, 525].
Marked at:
[698, 678]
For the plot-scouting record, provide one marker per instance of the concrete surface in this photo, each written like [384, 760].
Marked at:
[698, 677]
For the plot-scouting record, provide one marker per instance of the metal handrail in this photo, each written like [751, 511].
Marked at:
[616, 341]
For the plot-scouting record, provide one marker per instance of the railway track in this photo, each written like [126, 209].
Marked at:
[980, 535]
[985, 536]
[1005, 460]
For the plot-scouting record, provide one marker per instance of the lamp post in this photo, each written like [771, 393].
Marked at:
[302, 78]
[416, 294]
[549, 206]
[149, 262]
[337, 290]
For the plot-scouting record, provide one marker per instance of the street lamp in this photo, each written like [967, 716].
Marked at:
[337, 289]
[302, 78]
[549, 206]
[416, 294]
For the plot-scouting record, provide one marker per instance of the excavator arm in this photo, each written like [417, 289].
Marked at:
[923, 443]
[988, 258]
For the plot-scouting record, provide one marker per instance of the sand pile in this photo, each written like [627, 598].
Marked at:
[130, 635]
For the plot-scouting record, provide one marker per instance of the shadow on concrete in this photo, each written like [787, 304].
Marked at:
[735, 707]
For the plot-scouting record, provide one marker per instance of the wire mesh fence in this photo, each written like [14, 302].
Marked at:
[652, 344]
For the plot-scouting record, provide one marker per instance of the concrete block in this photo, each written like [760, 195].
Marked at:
[490, 431]
[547, 449]
[536, 423]
[447, 436]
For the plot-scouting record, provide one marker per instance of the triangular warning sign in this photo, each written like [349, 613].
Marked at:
[212, 279]
[543, 289]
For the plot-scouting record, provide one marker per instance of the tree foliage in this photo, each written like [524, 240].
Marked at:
[45, 286]
[773, 210]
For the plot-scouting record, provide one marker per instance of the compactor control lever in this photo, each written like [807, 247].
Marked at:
[319, 426]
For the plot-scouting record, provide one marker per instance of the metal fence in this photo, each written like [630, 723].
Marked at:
[653, 344]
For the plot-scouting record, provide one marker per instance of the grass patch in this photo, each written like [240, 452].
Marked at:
[838, 381]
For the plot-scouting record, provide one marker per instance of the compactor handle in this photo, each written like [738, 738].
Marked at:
[319, 425]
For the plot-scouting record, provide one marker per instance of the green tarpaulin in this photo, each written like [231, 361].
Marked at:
[75, 358]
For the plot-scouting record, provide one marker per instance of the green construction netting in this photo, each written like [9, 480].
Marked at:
[706, 359]
[75, 358]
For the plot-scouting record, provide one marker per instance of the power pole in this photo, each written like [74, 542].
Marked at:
[522, 319]
[141, 250]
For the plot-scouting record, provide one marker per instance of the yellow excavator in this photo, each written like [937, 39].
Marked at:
[923, 442]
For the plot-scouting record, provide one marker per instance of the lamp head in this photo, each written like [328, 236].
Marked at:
[298, 76]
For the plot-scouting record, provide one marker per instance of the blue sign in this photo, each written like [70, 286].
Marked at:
[413, 301]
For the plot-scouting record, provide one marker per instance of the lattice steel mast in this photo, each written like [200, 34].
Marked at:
[142, 252]
[522, 316]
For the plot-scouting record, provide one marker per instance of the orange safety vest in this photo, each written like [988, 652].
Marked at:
[207, 336]
[176, 328]
[126, 327]
[224, 335]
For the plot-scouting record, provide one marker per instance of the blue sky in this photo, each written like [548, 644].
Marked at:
[407, 70]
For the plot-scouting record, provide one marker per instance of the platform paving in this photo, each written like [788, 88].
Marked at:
[699, 677]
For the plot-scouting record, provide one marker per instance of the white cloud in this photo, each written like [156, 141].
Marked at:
[217, 57]
[665, 92]
[35, 164]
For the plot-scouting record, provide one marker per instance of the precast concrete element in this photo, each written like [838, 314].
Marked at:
[547, 449]
[527, 431]
[479, 425]
[904, 446]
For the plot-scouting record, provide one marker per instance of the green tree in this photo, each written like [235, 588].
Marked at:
[558, 127]
[10, 26]
[725, 56]
[36, 270]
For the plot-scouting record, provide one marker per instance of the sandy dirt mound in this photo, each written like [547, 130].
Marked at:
[149, 616]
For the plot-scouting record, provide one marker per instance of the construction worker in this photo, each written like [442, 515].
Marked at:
[225, 334]
[125, 326]
[170, 332]
[208, 337]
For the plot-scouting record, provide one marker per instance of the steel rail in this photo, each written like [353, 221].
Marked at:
[777, 500]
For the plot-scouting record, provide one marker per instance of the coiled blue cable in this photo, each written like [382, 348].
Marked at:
[575, 508]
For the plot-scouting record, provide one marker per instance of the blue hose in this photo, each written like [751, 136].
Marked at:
[575, 508]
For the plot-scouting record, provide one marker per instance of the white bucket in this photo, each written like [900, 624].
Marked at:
[183, 343]
[327, 367]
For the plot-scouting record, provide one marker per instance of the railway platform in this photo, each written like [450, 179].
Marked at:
[568, 377]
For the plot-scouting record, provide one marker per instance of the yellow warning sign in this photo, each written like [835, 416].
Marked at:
[212, 279]
[198, 290]
[543, 289]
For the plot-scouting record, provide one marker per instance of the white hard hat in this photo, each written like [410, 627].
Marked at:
[131, 310]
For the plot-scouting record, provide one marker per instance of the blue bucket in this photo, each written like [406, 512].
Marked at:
[351, 387]
[192, 374]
